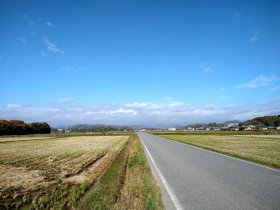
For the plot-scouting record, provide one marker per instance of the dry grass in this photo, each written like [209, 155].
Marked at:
[140, 190]
[22, 138]
[258, 148]
[19, 177]
[127, 184]
[41, 169]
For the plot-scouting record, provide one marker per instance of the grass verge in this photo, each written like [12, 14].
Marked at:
[264, 150]
[127, 184]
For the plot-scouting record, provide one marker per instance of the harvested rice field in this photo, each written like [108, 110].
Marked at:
[52, 172]
[263, 149]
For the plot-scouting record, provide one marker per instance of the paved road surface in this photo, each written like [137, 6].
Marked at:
[200, 179]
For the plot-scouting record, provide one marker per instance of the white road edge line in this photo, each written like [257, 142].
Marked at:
[246, 161]
[165, 183]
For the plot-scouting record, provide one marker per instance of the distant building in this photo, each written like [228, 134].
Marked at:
[250, 127]
[232, 124]
[225, 128]
[189, 129]
[172, 129]
[271, 128]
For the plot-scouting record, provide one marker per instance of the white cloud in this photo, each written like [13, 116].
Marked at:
[69, 69]
[274, 88]
[254, 35]
[205, 67]
[20, 39]
[50, 24]
[51, 46]
[29, 21]
[223, 98]
[125, 111]
[14, 105]
[144, 113]
[260, 81]
[65, 100]
[137, 105]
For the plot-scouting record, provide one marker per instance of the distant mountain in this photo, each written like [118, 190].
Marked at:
[232, 121]
[98, 128]
[273, 121]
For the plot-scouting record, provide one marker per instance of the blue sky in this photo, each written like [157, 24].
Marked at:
[139, 62]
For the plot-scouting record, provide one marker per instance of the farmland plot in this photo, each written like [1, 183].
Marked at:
[20, 138]
[263, 149]
[52, 172]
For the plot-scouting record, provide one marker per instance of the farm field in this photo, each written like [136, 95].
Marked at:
[38, 172]
[20, 138]
[263, 149]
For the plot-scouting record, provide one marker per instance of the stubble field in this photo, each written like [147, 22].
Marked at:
[263, 149]
[52, 172]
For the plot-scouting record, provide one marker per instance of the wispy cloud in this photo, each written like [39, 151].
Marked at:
[254, 35]
[205, 67]
[223, 98]
[236, 13]
[20, 39]
[14, 106]
[29, 21]
[69, 69]
[145, 113]
[51, 46]
[65, 100]
[260, 81]
[274, 88]
[50, 24]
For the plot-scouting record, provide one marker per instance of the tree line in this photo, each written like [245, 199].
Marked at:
[273, 121]
[18, 127]
[213, 124]
[99, 128]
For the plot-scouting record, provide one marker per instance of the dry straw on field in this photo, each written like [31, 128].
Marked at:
[264, 149]
[30, 165]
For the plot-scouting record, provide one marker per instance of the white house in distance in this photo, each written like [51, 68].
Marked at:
[189, 129]
[172, 129]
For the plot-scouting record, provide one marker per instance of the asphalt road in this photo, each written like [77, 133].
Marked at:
[193, 178]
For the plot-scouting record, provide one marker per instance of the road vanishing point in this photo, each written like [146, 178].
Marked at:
[194, 178]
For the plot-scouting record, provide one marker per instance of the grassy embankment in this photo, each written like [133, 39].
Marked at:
[127, 184]
[263, 149]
